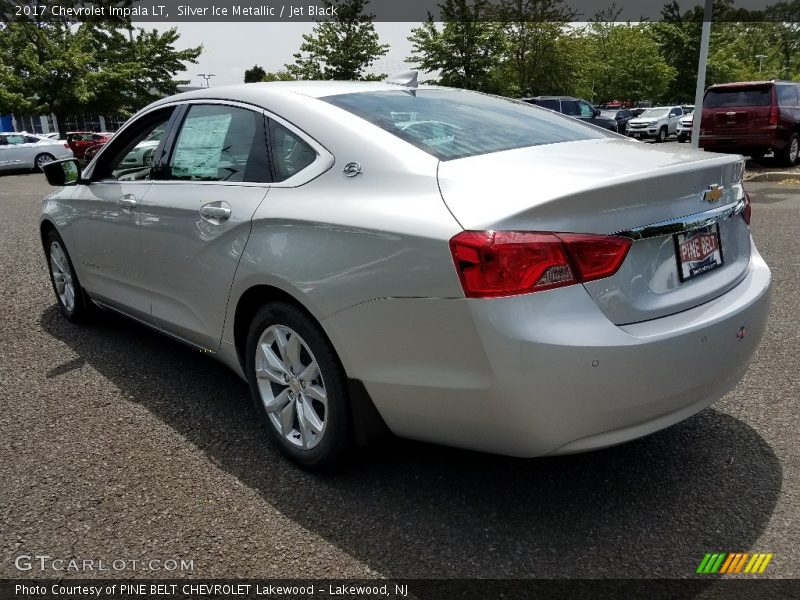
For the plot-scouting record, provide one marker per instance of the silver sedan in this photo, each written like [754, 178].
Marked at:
[446, 265]
[28, 151]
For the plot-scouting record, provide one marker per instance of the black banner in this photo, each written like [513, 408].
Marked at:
[422, 589]
[382, 10]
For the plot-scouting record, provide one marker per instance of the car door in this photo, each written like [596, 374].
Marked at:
[12, 151]
[106, 221]
[196, 219]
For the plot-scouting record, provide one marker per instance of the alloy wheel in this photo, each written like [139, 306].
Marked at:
[62, 276]
[291, 386]
[42, 160]
[794, 150]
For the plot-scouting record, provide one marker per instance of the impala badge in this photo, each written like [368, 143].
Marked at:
[351, 169]
[713, 193]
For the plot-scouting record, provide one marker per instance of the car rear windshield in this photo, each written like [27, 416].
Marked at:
[727, 97]
[455, 124]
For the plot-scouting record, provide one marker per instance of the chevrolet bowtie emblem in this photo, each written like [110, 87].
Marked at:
[713, 193]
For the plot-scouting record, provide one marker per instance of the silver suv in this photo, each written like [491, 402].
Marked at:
[656, 123]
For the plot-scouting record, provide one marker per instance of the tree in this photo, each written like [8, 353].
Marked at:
[623, 62]
[254, 74]
[534, 55]
[63, 67]
[342, 48]
[465, 50]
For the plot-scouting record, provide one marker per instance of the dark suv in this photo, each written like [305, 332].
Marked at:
[752, 118]
[573, 107]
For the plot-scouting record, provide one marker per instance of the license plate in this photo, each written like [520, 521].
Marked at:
[698, 252]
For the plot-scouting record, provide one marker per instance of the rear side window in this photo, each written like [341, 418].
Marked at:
[290, 154]
[787, 95]
[220, 143]
[737, 97]
[551, 104]
[452, 124]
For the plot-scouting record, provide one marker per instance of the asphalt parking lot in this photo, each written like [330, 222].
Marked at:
[116, 443]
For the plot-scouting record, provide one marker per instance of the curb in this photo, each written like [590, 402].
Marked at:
[773, 176]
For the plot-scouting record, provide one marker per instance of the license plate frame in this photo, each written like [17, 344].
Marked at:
[698, 252]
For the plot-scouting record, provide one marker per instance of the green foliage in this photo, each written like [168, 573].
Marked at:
[254, 74]
[623, 62]
[339, 49]
[64, 67]
[466, 50]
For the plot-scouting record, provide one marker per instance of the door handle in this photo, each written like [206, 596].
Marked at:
[127, 201]
[218, 211]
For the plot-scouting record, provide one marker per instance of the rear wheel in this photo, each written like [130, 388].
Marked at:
[788, 156]
[662, 135]
[299, 386]
[42, 159]
[72, 300]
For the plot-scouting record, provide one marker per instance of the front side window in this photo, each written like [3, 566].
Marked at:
[220, 143]
[290, 154]
[130, 157]
[586, 109]
[451, 124]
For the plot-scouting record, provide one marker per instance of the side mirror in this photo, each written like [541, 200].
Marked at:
[62, 172]
[596, 112]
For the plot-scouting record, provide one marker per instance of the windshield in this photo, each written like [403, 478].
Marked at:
[654, 113]
[452, 124]
[726, 97]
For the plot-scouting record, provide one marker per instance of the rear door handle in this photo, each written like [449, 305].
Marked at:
[216, 211]
[127, 201]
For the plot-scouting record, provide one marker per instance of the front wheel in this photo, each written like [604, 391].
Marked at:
[788, 156]
[299, 386]
[41, 160]
[662, 135]
[682, 137]
[72, 300]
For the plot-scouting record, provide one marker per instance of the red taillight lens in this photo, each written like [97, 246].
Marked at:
[66, 146]
[773, 109]
[506, 263]
[595, 256]
[748, 209]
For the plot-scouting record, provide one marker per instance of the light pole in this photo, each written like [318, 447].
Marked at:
[207, 77]
[708, 14]
[760, 58]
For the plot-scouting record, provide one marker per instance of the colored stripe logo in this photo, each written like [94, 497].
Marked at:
[731, 563]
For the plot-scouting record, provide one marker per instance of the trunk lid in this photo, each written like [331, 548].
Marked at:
[608, 186]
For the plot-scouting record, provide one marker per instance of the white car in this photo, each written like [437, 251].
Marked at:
[28, 151]
[685, 128]
[657, 123]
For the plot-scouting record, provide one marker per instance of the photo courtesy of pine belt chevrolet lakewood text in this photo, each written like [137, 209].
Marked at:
[456, 267]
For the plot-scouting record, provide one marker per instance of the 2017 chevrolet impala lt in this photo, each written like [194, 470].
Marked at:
[464, 269]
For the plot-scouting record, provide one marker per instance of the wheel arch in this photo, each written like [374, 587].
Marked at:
[368, 424]
[45, 227]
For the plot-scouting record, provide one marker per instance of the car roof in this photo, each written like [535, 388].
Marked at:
[551, 98]
[737, 84]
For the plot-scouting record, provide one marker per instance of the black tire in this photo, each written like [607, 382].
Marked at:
[662, 135]
[682, 138]
[789, 155]
[337, 440]
[81, 310]
[45, 157]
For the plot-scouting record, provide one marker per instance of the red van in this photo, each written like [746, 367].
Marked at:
[753, 118]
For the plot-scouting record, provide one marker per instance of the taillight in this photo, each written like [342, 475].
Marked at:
[66, 146]
[773, 109]
[748, 209]
[507, 263]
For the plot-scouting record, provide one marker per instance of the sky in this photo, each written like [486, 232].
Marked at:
[231, 48]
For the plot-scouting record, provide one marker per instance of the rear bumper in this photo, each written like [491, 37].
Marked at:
[546, 373]
[740, 142]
